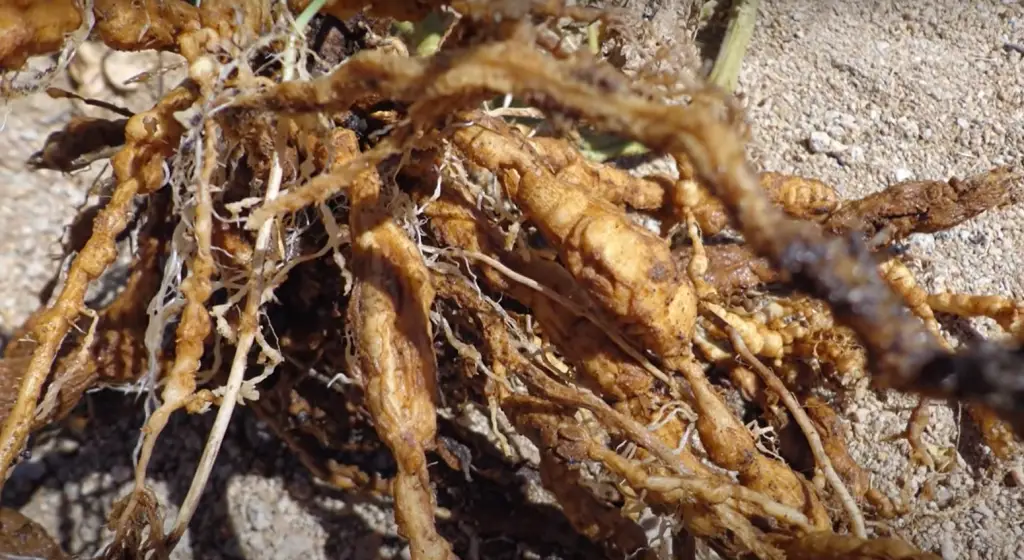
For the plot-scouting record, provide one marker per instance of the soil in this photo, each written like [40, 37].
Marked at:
[857, 94]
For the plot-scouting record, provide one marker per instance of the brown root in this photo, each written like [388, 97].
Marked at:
[821, 457]
[844, 547]
[731, 446]
[732, 268]
[129, 25]
[29, 28]
[926, 206]
[634, 280]
[81, 142]
[799, 197]
[392, 334]
[20, 537]
[151, 136]
[1007, 313]
[319, 209]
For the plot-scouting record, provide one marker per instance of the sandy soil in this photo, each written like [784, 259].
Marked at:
[859, 94]
[927, 91]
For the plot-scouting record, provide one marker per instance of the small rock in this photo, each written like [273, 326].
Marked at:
[847, 121]
[90, 485]
[921, 242]
[902, 174]
[301, 489]
[256, 512]
[861, 415]
[948, 548]
[256, 543]
[294, 546]
[910, 128]
[821, 143]
[29, 471]
[836, 132]
[67, 446]
[984, 510]
[851, 156]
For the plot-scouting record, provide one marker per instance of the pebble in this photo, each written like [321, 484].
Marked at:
[818, 142]
[301, 489]
[948, 547]
[67, 446]
[835, 129]
[294, 546]
[984, 510]
[258, 514]
[121, 473]
[910, 128]
[90, 484]
[902, 174]
[821, 143]
[861, 415]
[922, 242]
[256, 543]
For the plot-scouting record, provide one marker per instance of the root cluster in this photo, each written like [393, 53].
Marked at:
[349, 239]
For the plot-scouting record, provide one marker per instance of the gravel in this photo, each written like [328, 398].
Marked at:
[919, 90]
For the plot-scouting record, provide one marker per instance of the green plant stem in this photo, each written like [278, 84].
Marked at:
[726, 71]
[307, 14]
[426, 35]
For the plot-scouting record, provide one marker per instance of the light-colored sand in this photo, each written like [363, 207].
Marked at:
[908, 90]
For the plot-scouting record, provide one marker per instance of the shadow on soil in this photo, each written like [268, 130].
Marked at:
[96, 466]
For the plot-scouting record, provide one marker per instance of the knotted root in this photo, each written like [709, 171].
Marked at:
[810, 432]
[29, 28]
[151, 137]
[389, 317]
[926, 206]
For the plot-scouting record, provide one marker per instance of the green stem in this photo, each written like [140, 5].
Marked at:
[726, 71]
[594, 37]
[426, 36]
[307, 14]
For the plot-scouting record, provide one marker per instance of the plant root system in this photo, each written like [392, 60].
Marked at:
[342, 233]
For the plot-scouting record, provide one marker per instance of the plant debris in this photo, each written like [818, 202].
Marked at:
[342, 233]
